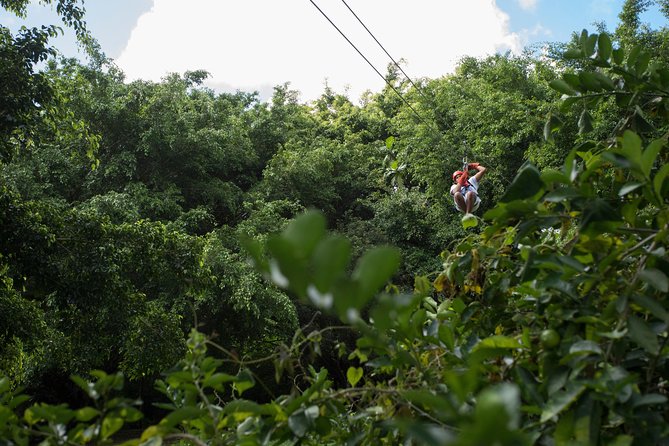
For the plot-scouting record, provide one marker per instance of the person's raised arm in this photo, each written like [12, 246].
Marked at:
[480, 170]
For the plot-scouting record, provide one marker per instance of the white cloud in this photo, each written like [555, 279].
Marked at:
[251, 44]
[528, 5]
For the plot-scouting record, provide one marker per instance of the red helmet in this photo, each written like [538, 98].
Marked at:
[456, 173]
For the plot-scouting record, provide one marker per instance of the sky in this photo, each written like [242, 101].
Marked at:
[254, 45]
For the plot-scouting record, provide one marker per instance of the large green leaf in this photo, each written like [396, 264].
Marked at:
[654, 306]
[590, 81]
[299, 423]
[498, 341]
[658, 180]
[373, 270]
[182, 414]
[469, 221]
[353, 375]
[604, 47]
[604, 81]
[642, 334]
[589, 45]
[526, 184]
[330, 260]
[560, 401]
[656, 278]
[629, 187]
[584, 122]
[562, 86]
[649, 155]
[306, 230]
[553, 124]
[110, 425]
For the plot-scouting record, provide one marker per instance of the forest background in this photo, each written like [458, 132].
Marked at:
[130, 212]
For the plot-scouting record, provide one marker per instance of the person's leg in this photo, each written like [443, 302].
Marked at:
[460, 202]
[470, 199]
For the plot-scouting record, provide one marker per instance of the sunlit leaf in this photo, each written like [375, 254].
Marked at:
[353, 375]
[629, 187]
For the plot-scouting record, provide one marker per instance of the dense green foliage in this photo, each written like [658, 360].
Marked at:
[130, 212]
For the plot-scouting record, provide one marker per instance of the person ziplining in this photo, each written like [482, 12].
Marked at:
[465, 190]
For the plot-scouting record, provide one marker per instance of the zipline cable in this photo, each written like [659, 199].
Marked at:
[420, 90]
[370, 64]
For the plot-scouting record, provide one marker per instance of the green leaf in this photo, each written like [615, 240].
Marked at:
[499, 404]
[86, 414]
[353, 375]
[526, 184]
[178, 416]
[373, 270]
[573, 54]
[330, 260]
[498, 341]
[589, 45]
[458, 305]
[584, 122]
[216, 380]
[589, 80]
[618, 55]
[631, 147]
[604, 47]
[562, 87]
[306, 230]
[560, 401]
[649, 156]
[244, 381]
[447, 336]
[298, 423]
[642, 63]
[390, 141]
[426, 433]
[652, 305]
[622, 440]
[642, 335]
[650, 399]
[656, 278]
[632, 56]
[552, 176]
[254, 250]
[86, 386]
[469, 221]
[110, 425]
[629, 187]
[588, 347]
[561, 194]
[604, 81]
[658, 180]
[130, 414]
[553, 124]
